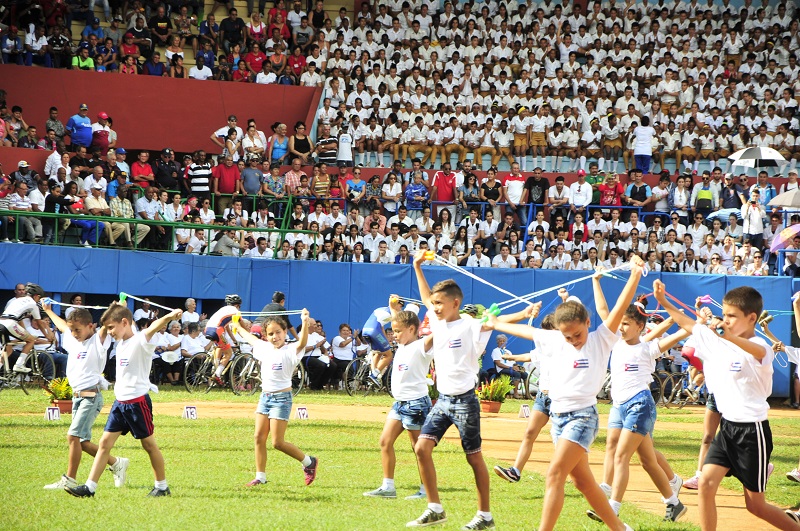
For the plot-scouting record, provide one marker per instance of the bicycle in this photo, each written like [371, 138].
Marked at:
[42, 370]
[246, 376]
[199, 371]
[680, 394]
[356, 378]
[659, 377]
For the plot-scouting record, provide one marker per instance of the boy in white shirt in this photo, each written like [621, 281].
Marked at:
[132, 410]
[458, 343]
[87, 358]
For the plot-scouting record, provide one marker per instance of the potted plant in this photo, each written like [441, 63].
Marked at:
[60, 394]
[493, 394]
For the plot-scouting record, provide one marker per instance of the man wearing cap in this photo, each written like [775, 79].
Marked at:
[114, 32]
[79, 128]
[24, 174]
[121, 164]
[37, 50]
[97, 206]
[11, 44]
[117, 179]
[220, 134]
[101, 133]
[167, 170]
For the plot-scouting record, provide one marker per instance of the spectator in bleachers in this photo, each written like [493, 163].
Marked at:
[232, 30]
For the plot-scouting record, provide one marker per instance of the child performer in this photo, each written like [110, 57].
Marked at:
[278, 360]
[87, 358]
[132, 411]
[410, 366]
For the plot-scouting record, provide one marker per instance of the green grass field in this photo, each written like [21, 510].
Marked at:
[210, 460]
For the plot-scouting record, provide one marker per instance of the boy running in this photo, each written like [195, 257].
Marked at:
[87, 358]
[132, 411]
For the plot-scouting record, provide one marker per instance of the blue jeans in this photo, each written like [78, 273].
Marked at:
[84, 413]
[462, 410]
[638, 414]
[542, 403]
[579, 426]
[276, 405]
[412, 413]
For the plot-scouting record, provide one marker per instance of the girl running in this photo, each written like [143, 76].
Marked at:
[278, 360]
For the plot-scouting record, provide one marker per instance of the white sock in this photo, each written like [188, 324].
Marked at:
[792, 165]
[436, 507]
[517, 160]
[696, 165]
[672, 500]
[615, 505]
[388, 484]
[21, 360]
[614, 165]
[306, 461]
[535, 161]
[544, 163]
[161, 485]
[674, 480]
[516, 470]
[687, 164]
[486, 515]
[583, 163]
[91, 485]
[261, 476]
[600, 163]
[559, 161]
[422, 489]
[219, 370]
[697, 473]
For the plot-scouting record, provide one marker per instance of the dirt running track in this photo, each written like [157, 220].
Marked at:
[501, 435]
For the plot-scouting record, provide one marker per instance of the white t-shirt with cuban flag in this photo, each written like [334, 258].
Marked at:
[86, 360]
[410, 371]
[632, 369]
[277, 365]
[578, 374]
[134, 360]
[457, 350]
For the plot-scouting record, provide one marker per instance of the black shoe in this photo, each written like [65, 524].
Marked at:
[594, 516]
[795, 516]
[675, 512]
[80, 491]
[160, 492]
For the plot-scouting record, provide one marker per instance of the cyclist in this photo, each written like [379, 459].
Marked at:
[218, 330]
[374, 334]
[11, 327]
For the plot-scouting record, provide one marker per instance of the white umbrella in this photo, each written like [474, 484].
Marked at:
[790, 199]
[757, 157]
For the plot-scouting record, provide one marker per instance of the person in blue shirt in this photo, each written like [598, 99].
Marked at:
[209, 31]
[93, 29]
[106, 56]
[11, 44]
[208, 55]
[79, 128]
[416, 195]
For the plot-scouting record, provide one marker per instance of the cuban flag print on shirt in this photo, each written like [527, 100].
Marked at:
[631, 367]
[402, 367]
[277, 366]
[454, 343]
[82, 355]
[582, 363]
[736, 366]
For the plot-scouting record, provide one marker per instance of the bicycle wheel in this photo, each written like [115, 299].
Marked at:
[43, 369]
[352, 384]
[244, 375]
[531, 386]
[298, 378]
[197, 372]
[388, 380]
[677, 382]
[657, 387]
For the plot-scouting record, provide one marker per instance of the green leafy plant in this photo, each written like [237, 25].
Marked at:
[496, 390]
[59, 389]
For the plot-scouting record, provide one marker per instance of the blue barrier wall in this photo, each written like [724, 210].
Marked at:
[335, 292]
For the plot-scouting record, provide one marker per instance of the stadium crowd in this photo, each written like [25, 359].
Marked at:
[620, 87]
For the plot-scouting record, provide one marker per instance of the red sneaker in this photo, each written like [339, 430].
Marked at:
[311, 471]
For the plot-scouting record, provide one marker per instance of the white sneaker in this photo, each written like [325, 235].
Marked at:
[419, 495]
[794, 475]
[120, 471]
[676, 487]
[87, 244]
[62, 484]
[20, 368]
[606, 489]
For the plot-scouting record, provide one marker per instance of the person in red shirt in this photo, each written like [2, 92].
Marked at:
[141, 172]
[611, 191]
[227, 182]
[255, 59]
[443, 189]
[297, 65]
[280, 7]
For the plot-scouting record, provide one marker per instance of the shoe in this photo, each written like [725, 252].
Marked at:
[18, 368]
[606, 489]
[676, 488]
[256, 482]
[87, 244]
[506, 473]
[120, 471]
[770, 470]
[794, 475]
[216, 380]
[374, 381]
[80, 491]
[794, 405]
[479, 523]
[428, 518]
[794, 515]
[311, 471]
[381, 493]
[594, 516]
[155, 493]
[692, 482]
[62, 483]
[675, 512]
[419, 495]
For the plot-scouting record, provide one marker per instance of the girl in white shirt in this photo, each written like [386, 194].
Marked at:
[278, 361]
[580, 367]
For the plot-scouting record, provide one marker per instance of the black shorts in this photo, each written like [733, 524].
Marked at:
[711, 403]
[132, 416]
[744, 448]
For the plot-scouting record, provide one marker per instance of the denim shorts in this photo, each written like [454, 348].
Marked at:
[84, 413]
[462, 410]
[579, 426]
[275, 405]
[638, 414]
[542, 403]
[412, 413]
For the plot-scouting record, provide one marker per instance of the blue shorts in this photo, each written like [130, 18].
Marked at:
[542, 403]
[132, 416]
[462, 410]
[275, 405]
[84, 413]
[373, 332]
[412, 413]
[579, 426]
[638, 414]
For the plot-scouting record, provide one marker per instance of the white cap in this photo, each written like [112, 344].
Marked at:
[413, 308]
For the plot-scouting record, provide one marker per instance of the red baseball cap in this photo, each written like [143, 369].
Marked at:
[581, 173]
[103, 116]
